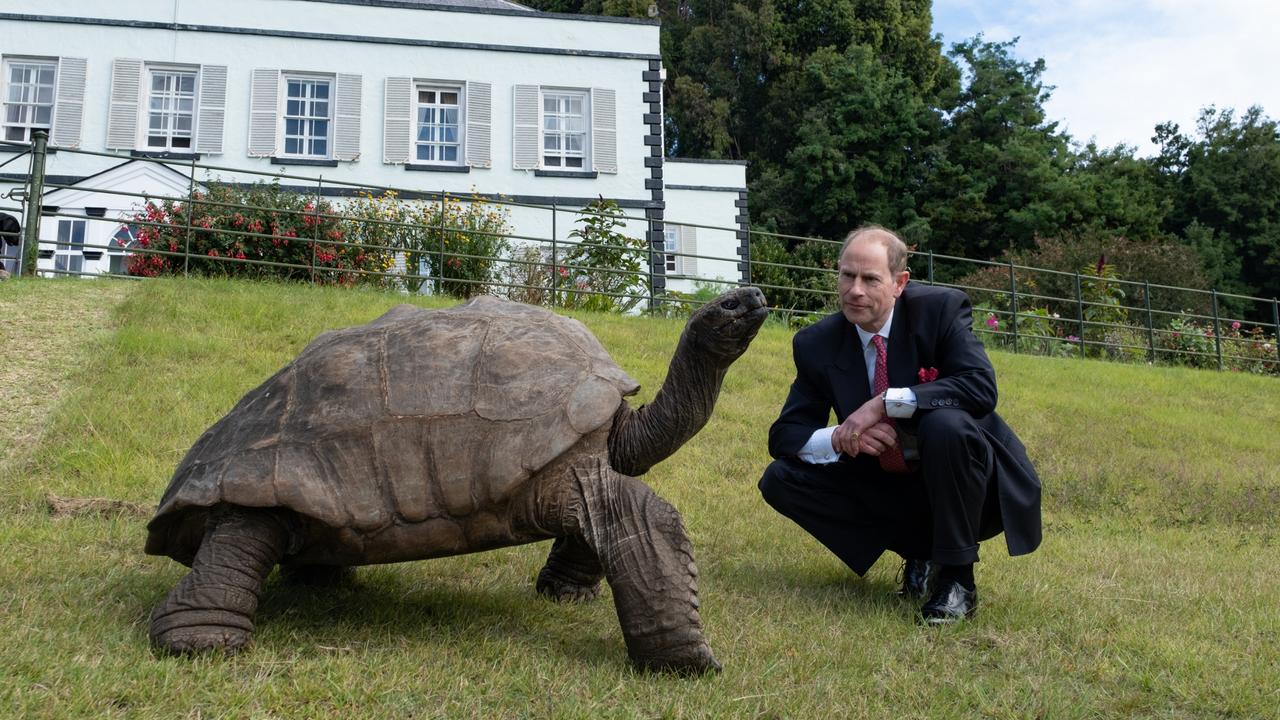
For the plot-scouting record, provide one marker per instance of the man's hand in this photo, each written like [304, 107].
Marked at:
[878, 438]
[848, 437]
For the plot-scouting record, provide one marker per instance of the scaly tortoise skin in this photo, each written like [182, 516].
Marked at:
[428, 433]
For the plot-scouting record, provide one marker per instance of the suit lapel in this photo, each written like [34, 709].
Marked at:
[903, 365]
[849, 377]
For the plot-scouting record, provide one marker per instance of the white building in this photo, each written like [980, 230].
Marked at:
[448, 96]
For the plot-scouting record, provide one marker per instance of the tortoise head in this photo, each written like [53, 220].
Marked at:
[724, 327]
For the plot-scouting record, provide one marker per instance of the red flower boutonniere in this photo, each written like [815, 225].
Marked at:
[928, 374]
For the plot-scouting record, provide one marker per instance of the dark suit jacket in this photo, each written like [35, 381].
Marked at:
[932, 328]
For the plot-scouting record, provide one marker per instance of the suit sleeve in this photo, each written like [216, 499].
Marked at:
[808, 404]
[966, 380]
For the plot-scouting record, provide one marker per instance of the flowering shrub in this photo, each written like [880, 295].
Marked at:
[1190, 341]
[255, 231]
[459, 244]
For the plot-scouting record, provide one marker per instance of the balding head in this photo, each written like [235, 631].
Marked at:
[893, 245]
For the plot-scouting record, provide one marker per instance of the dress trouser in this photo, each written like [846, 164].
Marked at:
[857, 510]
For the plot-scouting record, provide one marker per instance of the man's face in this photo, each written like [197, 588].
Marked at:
[867, 288]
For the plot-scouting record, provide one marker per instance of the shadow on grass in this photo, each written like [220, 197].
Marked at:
[385, 608]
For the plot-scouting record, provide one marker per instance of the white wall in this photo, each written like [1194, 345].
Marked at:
[373, 61]
[711, 208]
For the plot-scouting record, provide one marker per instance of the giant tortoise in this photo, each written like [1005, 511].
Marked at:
[428, 433]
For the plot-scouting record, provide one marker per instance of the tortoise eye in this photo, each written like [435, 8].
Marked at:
[729, 304]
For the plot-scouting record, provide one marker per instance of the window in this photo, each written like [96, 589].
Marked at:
[28, 102]
[69, 255]
[171, 109]
[438, 119]
[307, 117]
[564, 129]
[125, 238]
[671, 242]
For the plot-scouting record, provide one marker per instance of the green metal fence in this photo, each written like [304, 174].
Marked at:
[1079, 315]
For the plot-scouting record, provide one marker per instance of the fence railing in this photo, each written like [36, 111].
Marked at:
[410, 239]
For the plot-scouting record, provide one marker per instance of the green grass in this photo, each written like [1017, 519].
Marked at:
[1154, 594]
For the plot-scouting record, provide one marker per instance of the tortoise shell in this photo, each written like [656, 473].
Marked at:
[418, 415]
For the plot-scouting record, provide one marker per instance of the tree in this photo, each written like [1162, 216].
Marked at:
[1225, 182]
[998, 174]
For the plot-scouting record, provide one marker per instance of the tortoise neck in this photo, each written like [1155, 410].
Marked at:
[645, 436]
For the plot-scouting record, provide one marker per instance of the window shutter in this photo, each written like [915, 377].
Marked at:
[604, 131]
[479, 123]
[68, 112]
[122, 118]
[524, 147]
[264, 103]
[689, 245]
[346, 118]
[212, 110]
[397, 120]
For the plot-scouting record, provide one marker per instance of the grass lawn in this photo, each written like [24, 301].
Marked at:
[1154, 594]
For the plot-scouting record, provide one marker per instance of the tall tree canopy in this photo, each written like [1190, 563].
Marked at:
[851, 112]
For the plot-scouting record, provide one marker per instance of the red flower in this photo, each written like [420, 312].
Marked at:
[927, 374]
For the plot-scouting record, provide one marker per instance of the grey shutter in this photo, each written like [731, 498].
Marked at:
[479, 124]
[604, 131]
[525, 142]
[346, 118]
[689, 246]
[264, 103]
[68, 112]
[397, 120]
[212, 112]
[122, 118]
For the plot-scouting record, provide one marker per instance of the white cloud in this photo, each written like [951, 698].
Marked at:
[1121, 68]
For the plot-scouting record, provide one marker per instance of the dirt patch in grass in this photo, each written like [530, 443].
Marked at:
[47, 330]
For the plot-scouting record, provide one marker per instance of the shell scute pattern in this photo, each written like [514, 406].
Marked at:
[418, 417]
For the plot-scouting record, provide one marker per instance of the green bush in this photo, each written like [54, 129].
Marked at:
[603, 270]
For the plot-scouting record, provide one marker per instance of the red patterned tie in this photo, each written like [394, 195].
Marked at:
[891, 460]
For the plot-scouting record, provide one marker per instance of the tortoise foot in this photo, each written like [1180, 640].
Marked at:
[561, 588]
[201, 640]
[692, 660]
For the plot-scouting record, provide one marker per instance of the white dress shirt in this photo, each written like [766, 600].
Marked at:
[898, 402]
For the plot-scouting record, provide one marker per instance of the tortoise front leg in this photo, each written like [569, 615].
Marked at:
[648, 561]
[572, 572]
[212, 607]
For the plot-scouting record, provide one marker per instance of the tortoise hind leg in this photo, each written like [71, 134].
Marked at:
[648, 561]
[212, 607]
[572, 572]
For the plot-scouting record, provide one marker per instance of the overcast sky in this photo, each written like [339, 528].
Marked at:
[1120, 67]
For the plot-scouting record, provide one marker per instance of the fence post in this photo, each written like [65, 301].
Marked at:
[440, 246]
[1275, 320]
[930, 267]
[34, 203]
[1217, 335]
[191, 192]
[1013, 305]
[555, 271]
[1080, 312]
[315, 228]
[1151, 326]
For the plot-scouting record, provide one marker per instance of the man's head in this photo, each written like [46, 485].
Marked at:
[873, 272]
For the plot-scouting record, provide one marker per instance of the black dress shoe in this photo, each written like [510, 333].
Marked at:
[917, 577]
[951, 602]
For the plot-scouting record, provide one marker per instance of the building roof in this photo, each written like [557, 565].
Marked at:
[476, 4]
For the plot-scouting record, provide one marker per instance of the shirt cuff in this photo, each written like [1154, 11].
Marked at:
[818, 450]
[900, 402]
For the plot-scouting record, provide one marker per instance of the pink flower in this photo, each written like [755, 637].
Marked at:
[1235, 325]
[992, 322]
[1072, 338]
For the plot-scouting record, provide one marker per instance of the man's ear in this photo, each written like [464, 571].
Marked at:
[900, 282]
